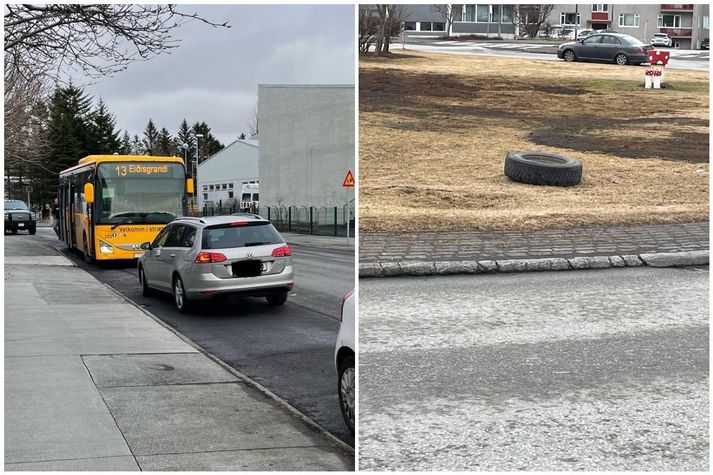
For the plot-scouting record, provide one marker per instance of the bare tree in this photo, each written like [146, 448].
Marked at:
[25, 121]
[95, 39]
[252, 123]
[389, 25]
[531, 17]
[448, 13]
[368, 28]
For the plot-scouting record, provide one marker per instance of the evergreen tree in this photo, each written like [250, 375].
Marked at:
[208, 144]
[164, 144]
[69, 129]
[104, 139]
[185, 136]
[136, 146]
[150, 138]
[125, 144]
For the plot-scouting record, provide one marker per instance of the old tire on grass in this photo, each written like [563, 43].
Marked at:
[537, 168]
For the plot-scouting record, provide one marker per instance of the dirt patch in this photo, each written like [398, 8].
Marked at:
[643, 141]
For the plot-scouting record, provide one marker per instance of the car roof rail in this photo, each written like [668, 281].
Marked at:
[190, 218]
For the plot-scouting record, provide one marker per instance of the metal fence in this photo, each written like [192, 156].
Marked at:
[317, 220]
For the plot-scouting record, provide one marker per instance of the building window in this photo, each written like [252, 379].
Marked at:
[507, 14]
[425, 26]
[629, 20]
[230, 194]
[469, 13]
[483, 13]
[205, 196]
[496, 14]
[410, 25]
[210, 187]
[705, 22]
[568, 18]
[457, 13]
[230, 185]
[600, 7]
[438, 26]
[225, 186]
[669, 21]
[205, 187]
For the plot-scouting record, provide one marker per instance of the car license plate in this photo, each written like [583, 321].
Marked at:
[264, 266]
[21, 225]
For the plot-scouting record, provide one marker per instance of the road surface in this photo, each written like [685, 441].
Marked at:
[603, 370]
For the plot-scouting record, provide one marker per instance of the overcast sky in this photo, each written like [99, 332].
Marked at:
[213, 75]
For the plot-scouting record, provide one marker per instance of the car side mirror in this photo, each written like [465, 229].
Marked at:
[146, 246]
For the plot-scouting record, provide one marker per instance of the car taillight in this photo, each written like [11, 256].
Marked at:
[282, 251]
[208, 257]
[344, 300]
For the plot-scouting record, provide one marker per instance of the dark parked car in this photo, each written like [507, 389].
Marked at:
[606, 47]
[705, 44]
[18, 217]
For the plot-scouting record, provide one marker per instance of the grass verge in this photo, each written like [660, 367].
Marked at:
[435, 129]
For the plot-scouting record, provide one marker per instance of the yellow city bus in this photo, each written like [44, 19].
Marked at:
[110, 204]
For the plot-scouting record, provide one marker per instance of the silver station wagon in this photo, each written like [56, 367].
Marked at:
[199, 258]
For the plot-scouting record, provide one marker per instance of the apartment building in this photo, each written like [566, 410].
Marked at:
[483, 20]
[686, 24]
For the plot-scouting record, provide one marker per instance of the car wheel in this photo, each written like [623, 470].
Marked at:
[621, 59]
[33, 230]
[276, 300]
[87, 258]
[569, 56]
[537, 168]
[347, 378]
[145, 289]
[179, 295]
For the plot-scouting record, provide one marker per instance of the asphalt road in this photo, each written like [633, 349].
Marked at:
[696, 60]
[289, 349]
[603, 370]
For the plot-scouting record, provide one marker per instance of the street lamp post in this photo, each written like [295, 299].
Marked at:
[195, 170]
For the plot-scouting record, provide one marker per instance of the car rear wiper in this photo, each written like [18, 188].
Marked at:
[247, 244]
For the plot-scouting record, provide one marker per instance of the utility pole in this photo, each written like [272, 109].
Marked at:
[576, 18]
[195, 171]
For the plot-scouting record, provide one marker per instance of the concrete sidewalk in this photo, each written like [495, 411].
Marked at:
[94, 383]
[469, 252]
[322, 242]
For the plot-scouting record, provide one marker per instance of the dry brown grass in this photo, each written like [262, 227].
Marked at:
[435, 129]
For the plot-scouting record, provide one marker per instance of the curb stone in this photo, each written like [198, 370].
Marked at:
[425, 268]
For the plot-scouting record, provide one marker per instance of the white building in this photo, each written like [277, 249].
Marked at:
[221, 177]
[306, 144]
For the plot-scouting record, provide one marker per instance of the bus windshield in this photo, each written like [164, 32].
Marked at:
[139, 192]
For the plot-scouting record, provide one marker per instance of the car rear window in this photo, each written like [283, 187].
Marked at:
[252, 234]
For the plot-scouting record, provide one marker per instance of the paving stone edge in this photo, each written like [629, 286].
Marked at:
[424, 268]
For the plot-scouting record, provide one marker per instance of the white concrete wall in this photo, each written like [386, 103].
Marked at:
[235, 164]
[306, 144]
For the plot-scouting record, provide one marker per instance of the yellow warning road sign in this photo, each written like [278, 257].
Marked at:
[348, 180]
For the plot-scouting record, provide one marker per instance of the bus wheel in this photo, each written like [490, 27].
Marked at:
[87, 258]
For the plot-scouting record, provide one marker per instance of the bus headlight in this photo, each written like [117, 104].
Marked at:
[105, 247]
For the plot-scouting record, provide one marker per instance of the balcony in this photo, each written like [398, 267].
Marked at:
[676, 7]
[600, 16]
[677, 32]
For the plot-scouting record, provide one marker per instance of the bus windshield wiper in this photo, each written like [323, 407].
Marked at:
[129, 219]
